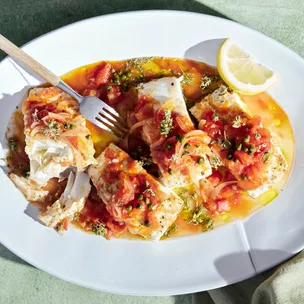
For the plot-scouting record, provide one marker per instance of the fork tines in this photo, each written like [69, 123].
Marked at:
[112, 121]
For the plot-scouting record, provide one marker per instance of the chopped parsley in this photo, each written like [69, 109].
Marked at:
[200, 161]
[59, 228]
[76, 216]
[12, 144]
[35, 116]
[237, 121]
[166, 124]
[138, 63]
[205, 82]
[170, 231]
[226, 144]
[215, 162]
[215, 117]
[26, 174]
[199, 216]
[257, 135]
[246, 139]
[68, 126]
[150, 191]
[180, 138]
[145, 161]
[243, 177]
[188, 79]
[222, 90]
[266, 157]
[99, 229]
[52, 129]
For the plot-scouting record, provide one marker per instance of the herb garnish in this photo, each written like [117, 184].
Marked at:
[145, 161]
[200, 217]
[52, 129]
[237, 121]
[170, 231]
[257, 135]
[266, 157]
[99, 229]
[68, 126]
[166, 124]
[76, 216]
[215, 117]
[12, 144]
[205, 83]
[150, 191]
[35, 116]
[188, 79]
[215, 162]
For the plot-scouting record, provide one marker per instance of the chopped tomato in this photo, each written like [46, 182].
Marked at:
[222, 205]
[215, 178]
[90, 92]
[104, 75]
[114, 95]
[65, 223]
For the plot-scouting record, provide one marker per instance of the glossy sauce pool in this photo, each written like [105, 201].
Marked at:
[194, 88]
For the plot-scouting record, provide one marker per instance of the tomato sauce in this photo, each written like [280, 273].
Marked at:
[114, 82]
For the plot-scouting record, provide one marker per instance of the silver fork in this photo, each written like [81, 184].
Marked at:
[91, 107]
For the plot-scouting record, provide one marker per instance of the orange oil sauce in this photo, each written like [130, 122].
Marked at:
[273, 117]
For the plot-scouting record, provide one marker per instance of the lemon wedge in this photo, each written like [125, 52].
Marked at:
[241, 72]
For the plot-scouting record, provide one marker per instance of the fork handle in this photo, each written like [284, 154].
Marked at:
[12, 50]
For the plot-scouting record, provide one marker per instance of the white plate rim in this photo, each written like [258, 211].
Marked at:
[291, 53]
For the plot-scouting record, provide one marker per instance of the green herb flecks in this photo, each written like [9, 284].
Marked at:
[145, 161]
[180, 138]
[35, 115]
[205, 82]
[170, 231]
[215, 162]
[266, 157]
[226, 144]
[215, 117]
[68, 126]
[12, 144]
[76, 216]
[257, 135]
[166, 124]
[188, 79]
[99, 229]
[138, 63]
[150, 191]
[199, 216]
[26, 174]
[237, 121]
[52, 129]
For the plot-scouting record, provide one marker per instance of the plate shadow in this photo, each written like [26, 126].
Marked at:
[205, 51]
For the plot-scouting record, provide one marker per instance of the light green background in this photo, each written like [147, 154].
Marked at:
[25, 20]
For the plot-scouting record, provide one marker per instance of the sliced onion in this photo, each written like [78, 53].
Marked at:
[140, 124]
[200, 135]
[184, 126]
[139, 115]
[158, 143]
[201, 124]
[59, 117]
[34, 124]
[35, 131]
[220, 187]
[206, 189]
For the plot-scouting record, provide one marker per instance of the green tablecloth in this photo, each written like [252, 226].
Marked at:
[23, 20]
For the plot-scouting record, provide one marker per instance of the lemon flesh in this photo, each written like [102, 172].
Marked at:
[241, 71]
